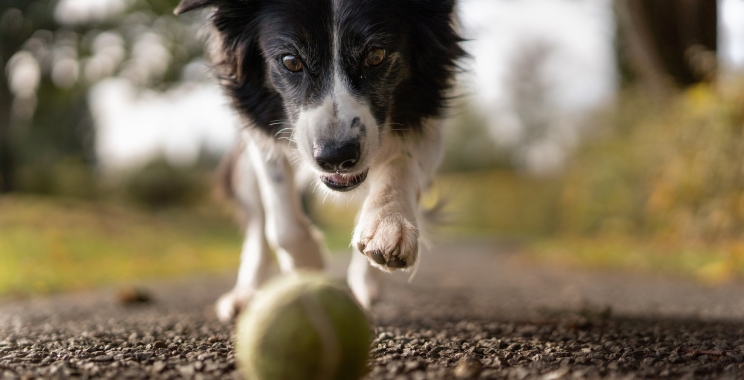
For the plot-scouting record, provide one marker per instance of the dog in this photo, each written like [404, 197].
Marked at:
[350, 93]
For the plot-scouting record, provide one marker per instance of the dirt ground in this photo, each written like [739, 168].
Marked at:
[474, 310]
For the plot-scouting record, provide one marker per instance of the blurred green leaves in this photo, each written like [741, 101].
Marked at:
[660, 188]
[52, 52]
[668, 168]
[160, 185]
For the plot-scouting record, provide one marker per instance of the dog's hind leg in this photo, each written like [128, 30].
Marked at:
[255, 257]
[298, 246]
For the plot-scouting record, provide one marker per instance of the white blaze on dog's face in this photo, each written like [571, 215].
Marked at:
[338, 138]
[336, 68]
[335, 75]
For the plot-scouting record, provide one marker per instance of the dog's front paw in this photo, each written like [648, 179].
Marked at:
[390, 241]
[232, 303]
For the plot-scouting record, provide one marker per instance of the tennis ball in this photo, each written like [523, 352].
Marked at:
[303, 326]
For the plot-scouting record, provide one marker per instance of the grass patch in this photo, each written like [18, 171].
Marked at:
[703, 262]
[54, 244]
[49, 244]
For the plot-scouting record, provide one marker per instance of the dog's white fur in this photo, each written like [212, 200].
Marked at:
[268, 176]
[330, 122]
[389, 219]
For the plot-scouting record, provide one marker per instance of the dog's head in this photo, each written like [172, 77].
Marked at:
[335, 76]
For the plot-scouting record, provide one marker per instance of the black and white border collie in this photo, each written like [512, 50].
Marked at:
[349, 92]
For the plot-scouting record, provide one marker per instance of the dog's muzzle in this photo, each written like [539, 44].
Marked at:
[339, 160]
[344, 182]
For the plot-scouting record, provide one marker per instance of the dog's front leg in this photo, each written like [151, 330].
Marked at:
[296, 243]
[387, 231]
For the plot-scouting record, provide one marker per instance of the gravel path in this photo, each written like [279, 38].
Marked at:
[473, 311]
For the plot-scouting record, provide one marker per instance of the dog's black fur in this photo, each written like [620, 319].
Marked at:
[402, 92]
[357, 86]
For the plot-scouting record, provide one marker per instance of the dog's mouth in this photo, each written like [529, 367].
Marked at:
[344, 182]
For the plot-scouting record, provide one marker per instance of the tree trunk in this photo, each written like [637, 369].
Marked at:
[670, 40]
[7, 172]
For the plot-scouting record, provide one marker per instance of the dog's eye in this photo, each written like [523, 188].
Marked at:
[292, 63]
[375, 57]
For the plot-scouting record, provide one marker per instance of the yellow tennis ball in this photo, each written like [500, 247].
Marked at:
[303, 326]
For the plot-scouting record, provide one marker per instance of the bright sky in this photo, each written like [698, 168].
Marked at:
[580, 32]
[134, 127]
[732, 18]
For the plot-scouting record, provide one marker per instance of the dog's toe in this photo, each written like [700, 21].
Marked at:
[397, 263]
[390, 241]
[378, 257]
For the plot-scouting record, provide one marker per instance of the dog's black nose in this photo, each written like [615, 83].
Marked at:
[337, 157]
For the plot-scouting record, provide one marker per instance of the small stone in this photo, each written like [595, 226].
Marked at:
[158, 366]
[142, 356]
[102, 359]
[514, 347]
[557, 374]
[206, 356]
[131, 295]
[393, 367]
[412, 366]
[468, 368]
[385, 336]
[134, 373]
[673, 358]
[418, 375]
[186, 370]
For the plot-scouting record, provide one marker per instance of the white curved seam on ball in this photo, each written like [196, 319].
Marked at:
[331, 355]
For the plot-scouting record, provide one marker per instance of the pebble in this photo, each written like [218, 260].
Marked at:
[468, 368]
[158, 366]
[103, 359]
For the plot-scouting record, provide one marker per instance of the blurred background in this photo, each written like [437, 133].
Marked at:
[592, 133]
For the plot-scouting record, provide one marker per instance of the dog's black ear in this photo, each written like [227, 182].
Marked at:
[190, 5]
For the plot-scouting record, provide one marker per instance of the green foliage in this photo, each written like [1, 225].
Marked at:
[160, 185]
[496, 202]
[53, 244]
[69, 177]
[476, 204]
[146, 44]
[669, 169]
[468, 145]
[660, 190]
